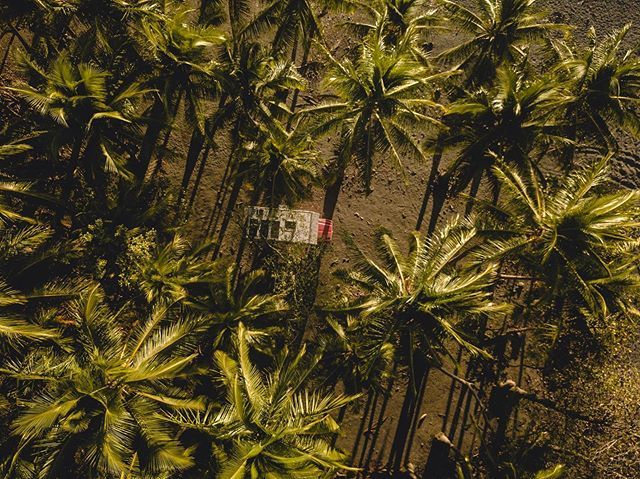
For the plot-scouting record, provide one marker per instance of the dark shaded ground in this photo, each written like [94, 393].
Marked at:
[395, 203]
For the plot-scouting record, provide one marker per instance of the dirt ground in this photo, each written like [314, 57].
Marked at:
[395, 203]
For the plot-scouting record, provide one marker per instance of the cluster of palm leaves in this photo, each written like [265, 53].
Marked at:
[132, 346]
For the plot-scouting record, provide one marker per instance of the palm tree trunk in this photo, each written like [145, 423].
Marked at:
[67, 184]
[296, 92]
[222, 192]
[25, 45]
[473, 192]
[433, 174]
[440, 192]
[568, 157]
[243, 244]
[341, 415]
[419, 375]
[167, 134]
[195, 148]
[233, 199]
[149, 141]
[6, 53]
[363, 420]
[452, 389]
[465, 417]
[331, 196]
[212, 222]
[367, 433]
[457, 411]
[416, 418]
[203, 10]
[522, 352]
[196, 185]
[381, 415]
[95, 175]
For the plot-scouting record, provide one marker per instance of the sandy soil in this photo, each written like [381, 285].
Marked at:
[395, 203]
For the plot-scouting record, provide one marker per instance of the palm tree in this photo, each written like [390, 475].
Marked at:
[12, 190]
[382, 96]
[253, 86]
[501, 31]
[96, 118]
[20, 244]
[96, 408]
[184, 65]
[400, 20]
[248, 78]
[604, 81]
[581, 242]
[45, 18]
[22, 248]
[420, 301]
[271, 425]
[257, 83]
[359, 351]
[229, 304]
[177, 271]
[500, 34]
[506, 122]
[294, 21]
[281, 165]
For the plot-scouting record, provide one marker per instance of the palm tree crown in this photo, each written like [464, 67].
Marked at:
[103, 397]
[270, 426]
[382, 97]
[500, 31]
[582, 242]
[505, 122]
[604, 82]
[426, 292]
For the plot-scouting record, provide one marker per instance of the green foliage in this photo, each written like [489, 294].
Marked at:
[504, 123]
[104, 393]
[604, 81]
[281, 164]
[582, 242]
[382, 95]
[500, 31]
[270, 425]
[421, 297]
[130, 348]
[176, 271]
[84, 108]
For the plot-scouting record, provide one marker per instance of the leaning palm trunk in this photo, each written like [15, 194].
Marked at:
[231, 204]
[369, 423]
[440, 192]
[433, 174]
[212, 222]
[363, 420]
[195, 148]
[409, 406]
[141, 165]
[331, 195]
[296, 92]
[67, 185]
[5, 57]
[198, 140]
[416, 418]
[167, 134]
[452, 390]
[381, 415]
[473, 192]
[198, 180]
